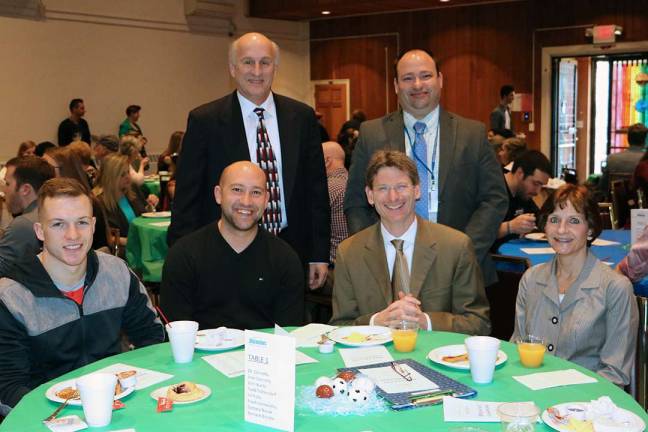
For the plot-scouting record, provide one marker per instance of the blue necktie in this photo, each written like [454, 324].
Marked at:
[420, 156]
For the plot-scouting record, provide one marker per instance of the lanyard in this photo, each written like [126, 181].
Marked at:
[430, 168]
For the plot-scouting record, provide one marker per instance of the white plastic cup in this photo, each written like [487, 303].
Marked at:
[482, 355]
[518, 416]
[97, 395]
[182, 335]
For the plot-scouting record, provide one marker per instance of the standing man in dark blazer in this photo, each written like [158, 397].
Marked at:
[461, 182]
[278, 133]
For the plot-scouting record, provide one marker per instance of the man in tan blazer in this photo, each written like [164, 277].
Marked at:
[445, 290]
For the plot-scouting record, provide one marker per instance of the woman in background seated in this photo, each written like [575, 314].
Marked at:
[116, 195]
[130, 146]
[168, 158]
[27, 148]
[585, 311]
[509, 151]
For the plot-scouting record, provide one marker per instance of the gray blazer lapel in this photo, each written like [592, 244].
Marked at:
[425, 252]
[376, 261]
[447, 137]
[395, 132]
[589, 278]
[550, 288]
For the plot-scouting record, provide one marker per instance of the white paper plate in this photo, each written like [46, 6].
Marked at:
[437, 354]
[162, 391]
[232, 338]
[162, 214]
[536, 236]
[636, 424]
[51, 392]
[378, 335]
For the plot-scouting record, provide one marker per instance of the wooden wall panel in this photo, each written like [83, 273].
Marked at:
[363, 61]
[484, 46]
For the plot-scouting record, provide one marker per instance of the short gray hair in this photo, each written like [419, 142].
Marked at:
[233, 48]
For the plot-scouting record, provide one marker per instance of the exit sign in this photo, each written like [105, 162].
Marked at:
[604, 34]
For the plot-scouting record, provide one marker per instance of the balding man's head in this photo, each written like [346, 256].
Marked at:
[253, 62]
[242, 195]
[333, 155]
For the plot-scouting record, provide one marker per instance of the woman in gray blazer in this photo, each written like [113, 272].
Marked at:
[585, 312]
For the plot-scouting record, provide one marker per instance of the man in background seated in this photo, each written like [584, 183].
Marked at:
[74, 128]
[626, 161]
[530, 172]
[67, 306]
[232, 272]
[22, 180]
[435, 278]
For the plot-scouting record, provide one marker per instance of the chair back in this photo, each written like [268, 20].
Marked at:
[608, 217]
[503, 294]
[621, 201]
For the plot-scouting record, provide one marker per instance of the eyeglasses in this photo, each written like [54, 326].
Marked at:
[407, 376]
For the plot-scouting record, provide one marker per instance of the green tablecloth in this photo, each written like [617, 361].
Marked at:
[223, 410]
[152, 186]
[147, 247]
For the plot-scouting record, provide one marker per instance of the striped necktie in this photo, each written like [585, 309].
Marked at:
[400, 273]
[268, 163]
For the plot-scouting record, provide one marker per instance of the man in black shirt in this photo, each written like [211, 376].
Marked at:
[74, 127]
[530, 172]
[232, 272]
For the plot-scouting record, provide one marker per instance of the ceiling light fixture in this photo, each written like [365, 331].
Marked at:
[326, 12]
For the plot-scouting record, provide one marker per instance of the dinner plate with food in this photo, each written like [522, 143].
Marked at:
[160, 214]
[456, 356]
[219, 339]
[361, 336]
[581, 416]
[183, 393]
[62, 391]
[536, 236]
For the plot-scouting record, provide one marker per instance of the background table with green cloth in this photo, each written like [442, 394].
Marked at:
[223, 410]
[152, 185]
[147, 247]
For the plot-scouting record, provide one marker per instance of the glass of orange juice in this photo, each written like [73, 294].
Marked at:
[404, 335]
[531, 349]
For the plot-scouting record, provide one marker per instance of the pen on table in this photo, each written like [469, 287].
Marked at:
[428, 394]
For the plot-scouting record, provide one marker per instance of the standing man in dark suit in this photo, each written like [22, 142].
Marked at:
[461, 182]
[278, 133]
[500, 117]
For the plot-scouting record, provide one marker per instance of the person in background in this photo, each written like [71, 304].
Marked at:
[324, 135]
[105, 145]
[585, 311]
[74, 128]
[232, 272]
[168, 158]
[625, 162]
[530, 172]
[129, 146]
[114, 192]
[511, 149]
[500, 117]
[26, 148]
[634, 266]
[44, 147]
[129, 125]
[357, 118]
[21, 183]
[68, 305]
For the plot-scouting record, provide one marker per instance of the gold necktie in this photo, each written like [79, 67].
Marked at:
[400, 274]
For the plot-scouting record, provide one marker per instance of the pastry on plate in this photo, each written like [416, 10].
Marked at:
[185, 391]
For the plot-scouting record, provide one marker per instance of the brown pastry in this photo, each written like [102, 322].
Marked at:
[68, 393]
[185, 391]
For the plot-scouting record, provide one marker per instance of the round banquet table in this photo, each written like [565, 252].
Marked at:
[147, 247]
[223, 410]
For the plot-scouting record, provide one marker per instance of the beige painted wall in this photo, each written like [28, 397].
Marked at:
[117, 53]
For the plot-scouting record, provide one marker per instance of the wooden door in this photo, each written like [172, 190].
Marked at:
[331, 102]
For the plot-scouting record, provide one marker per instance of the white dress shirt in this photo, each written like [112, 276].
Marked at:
[251, 121]
[409, 238]
[431, 137]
